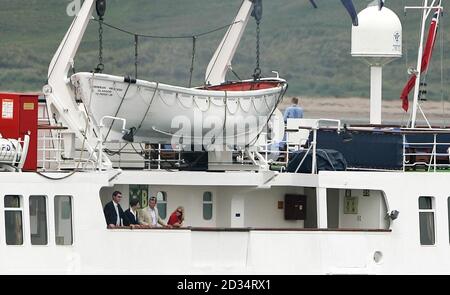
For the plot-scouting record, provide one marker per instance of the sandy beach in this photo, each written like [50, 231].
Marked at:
[356, 110]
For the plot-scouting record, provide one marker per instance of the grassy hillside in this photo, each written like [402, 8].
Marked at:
[309, 47]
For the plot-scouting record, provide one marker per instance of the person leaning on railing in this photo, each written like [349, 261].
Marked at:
[177, 217]
[150, 216]
[131, 216]
[113, 211]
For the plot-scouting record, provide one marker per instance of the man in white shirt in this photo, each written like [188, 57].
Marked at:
[150, 215]
[131, 219]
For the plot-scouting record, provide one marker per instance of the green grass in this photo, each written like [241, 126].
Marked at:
[309, 47]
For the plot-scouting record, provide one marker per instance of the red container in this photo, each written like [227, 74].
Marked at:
[19, 116]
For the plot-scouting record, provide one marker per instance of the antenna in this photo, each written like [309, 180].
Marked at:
[378, 40]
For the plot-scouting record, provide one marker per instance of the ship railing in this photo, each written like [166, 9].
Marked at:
[278, 153]
[166, 155]
[56, 151]
[52, 152]
[275, 153]
[425, 154]
[298, 138]
[143, 156]
[49, 147]
[422, 147]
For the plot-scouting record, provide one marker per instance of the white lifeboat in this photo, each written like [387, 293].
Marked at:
[234, 112]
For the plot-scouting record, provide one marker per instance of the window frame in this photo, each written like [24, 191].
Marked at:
[448, 218]
[14, 209]
[162, 203]
[47, 221]
[430, 210]
[71, 220]
[211, 202]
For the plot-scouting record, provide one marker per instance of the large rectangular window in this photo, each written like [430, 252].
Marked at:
[426, 221]
[38, 220]
[63, 220]
[13, 220]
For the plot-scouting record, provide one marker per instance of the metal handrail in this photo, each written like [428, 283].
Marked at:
[433, 154]
[50, 149]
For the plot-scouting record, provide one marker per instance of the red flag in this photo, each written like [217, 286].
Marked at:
[426, 57]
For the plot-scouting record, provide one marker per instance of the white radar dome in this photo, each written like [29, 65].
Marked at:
[378, 35]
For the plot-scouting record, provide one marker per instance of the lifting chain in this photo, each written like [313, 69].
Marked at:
[257, 14]
[194, 38]
[100, 66]
[136, 55]
[257, 71]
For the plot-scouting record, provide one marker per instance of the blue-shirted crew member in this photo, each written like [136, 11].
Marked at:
[293, 111]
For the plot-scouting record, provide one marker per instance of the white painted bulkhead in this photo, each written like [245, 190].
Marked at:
[96, 249]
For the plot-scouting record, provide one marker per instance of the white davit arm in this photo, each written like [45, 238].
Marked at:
[63, 58]
[59, 94]
[221, 60]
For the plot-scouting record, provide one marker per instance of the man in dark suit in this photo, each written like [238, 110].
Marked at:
[113, 211]
[131, 217]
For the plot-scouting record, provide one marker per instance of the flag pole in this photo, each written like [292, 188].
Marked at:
[420, 59]
[425, 14]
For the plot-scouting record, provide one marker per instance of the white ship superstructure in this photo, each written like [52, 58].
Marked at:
[339, 199]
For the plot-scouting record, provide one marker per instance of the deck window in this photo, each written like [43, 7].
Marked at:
[13, 220]
[161, 204]
[63, 220]
[207, 206]
[38, 220]
[426, 221]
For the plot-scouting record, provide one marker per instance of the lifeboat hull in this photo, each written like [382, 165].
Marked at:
[230, 114]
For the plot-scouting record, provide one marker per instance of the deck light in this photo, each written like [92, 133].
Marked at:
[394, 214]
[129, 135]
